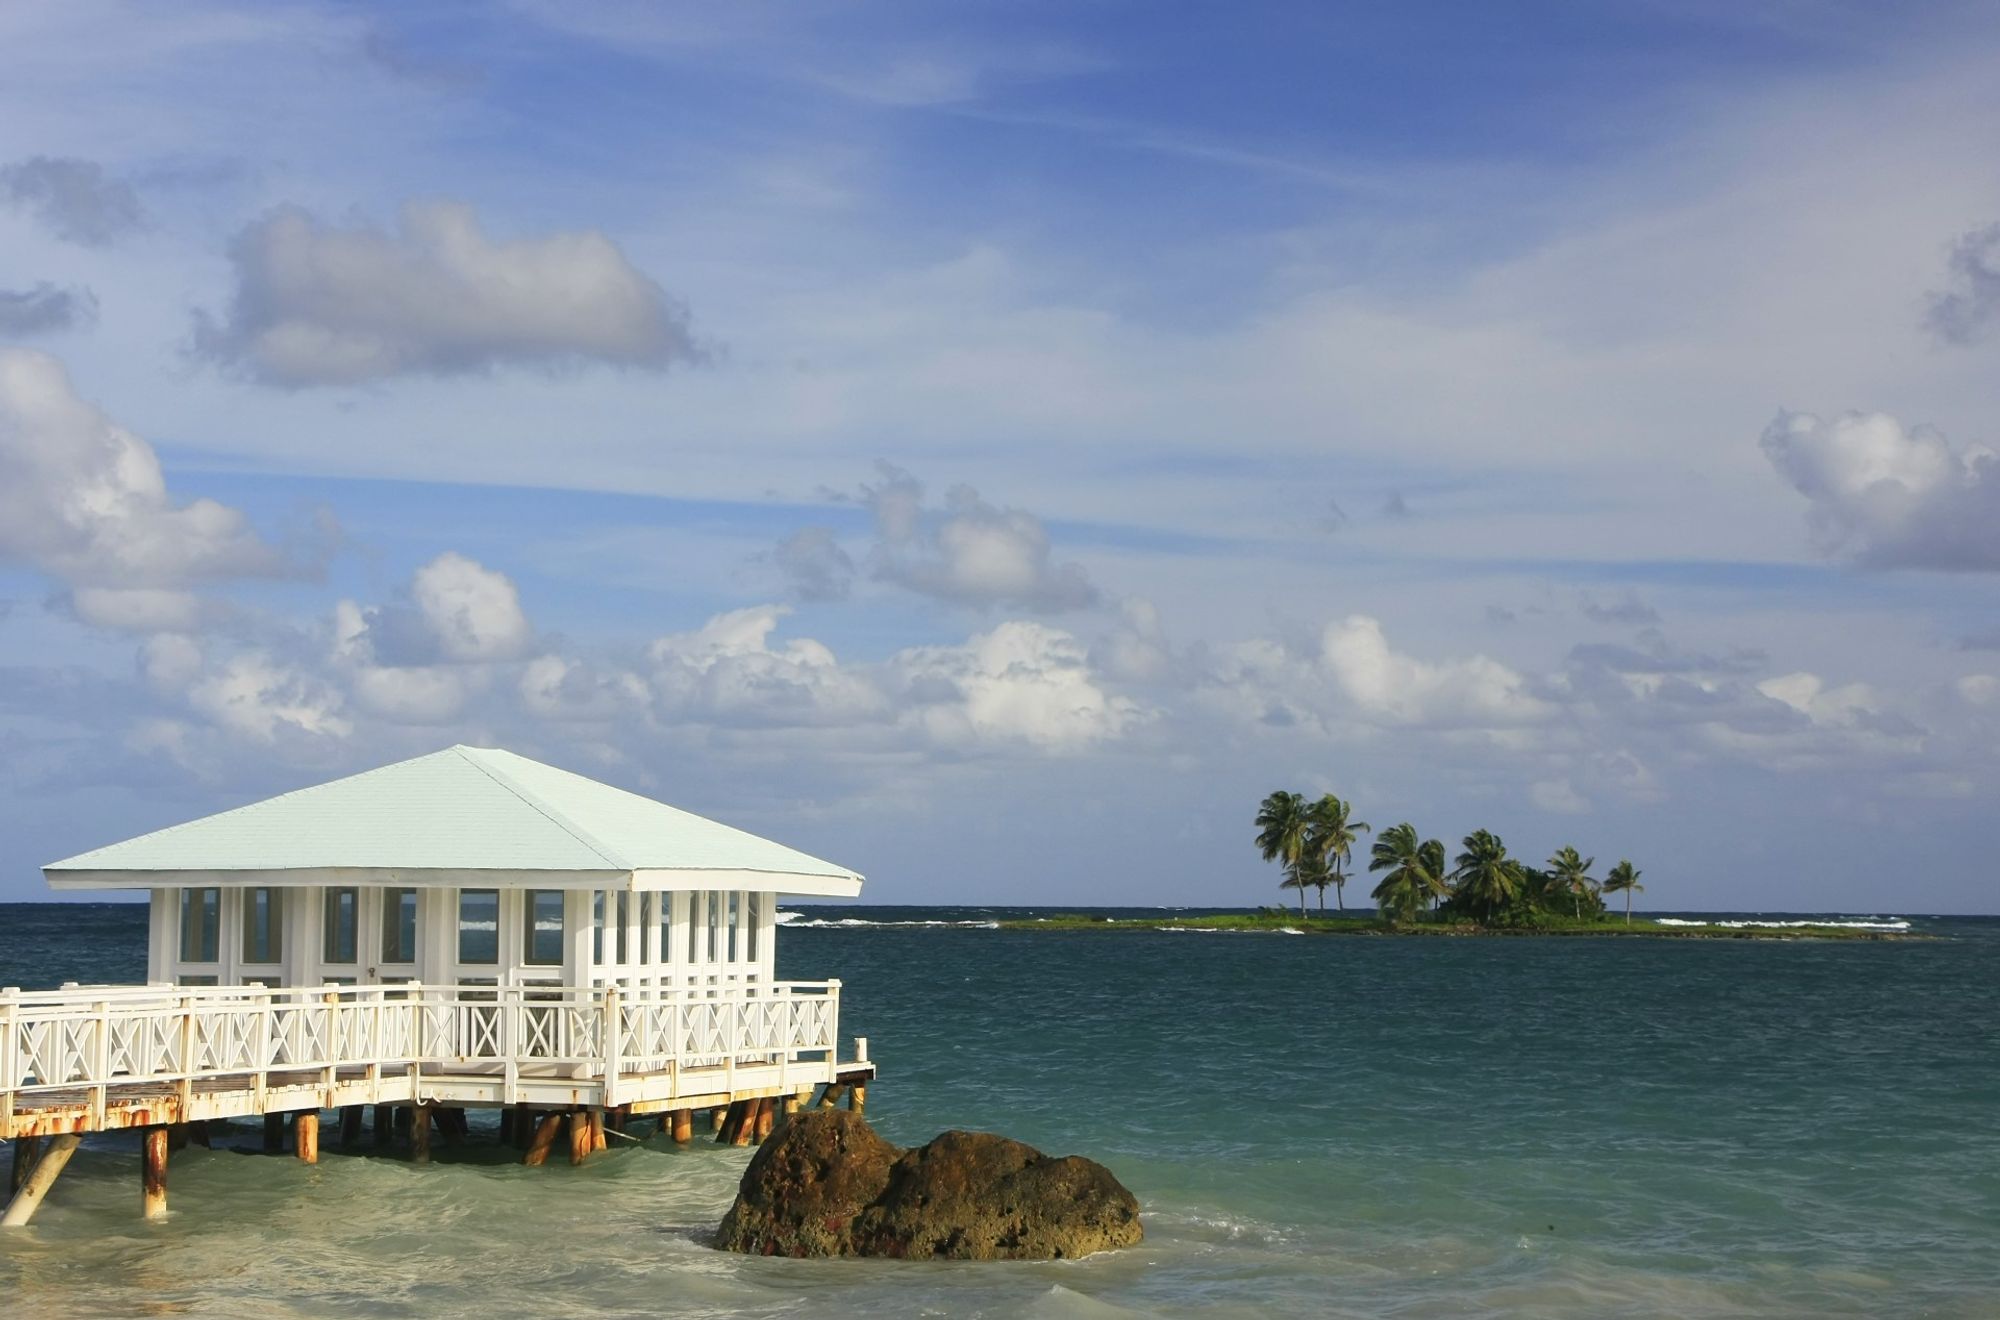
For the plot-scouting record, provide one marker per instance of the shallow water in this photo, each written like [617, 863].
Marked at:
[1341, 1126]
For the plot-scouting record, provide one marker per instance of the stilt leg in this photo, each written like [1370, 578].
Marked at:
[385, 1125]
[177, 1137]
[524, 1126]
[746, 1123]
[717, 1117]
[579, 1136]
[598, 1141]
[153, 1171]
[857, 1097]
[39, 1179]
[350, 1126]
[830, 1098]
[25, 1151]
[274, 1134]
[305, 1137]
[683, 1126]
[420, 1133]
[767, 1117]
[198, 1132]
[544, 1138]
[506, 1127]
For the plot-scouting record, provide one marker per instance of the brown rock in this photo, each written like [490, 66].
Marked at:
[804, 1187]
[826, 1185]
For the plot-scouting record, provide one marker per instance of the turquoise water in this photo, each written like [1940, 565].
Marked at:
[1366, 1127]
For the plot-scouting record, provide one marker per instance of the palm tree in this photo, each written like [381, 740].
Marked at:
[1282, 824]
[1416, 871]
[1624, 877]
[1570, 872]
[1487, 878]
[1330, 837]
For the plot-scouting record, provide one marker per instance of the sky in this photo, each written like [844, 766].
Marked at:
[992, 446]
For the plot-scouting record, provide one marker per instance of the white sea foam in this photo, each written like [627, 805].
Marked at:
[1870, 923]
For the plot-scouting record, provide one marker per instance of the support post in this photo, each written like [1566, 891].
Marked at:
[198, 1133]
[746, 1123]
[683, 1126]
[543, 1140]
[717, 1117]
[579, 1136]
[305, 1136]
[857, 1097]
[274, 1133]
[420, 1133]
[40, 1178]
[350, 1126]
[177, 1137]
[830, 1098]
[597, 1139]
[25, 1151]
[153, 1172]
[385, 1125]
[767, 1117]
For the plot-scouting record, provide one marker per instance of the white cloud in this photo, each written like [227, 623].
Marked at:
[170, 662]
[1136, 650]
[84, 499]
[815, 565]
[474, 612]
[317, 304]
[1022, 682]
[411, 694]
[264, 700]
[558, 688]
[140, 609]
[1890, 496]
[74, 198]
[726, 671]
[1390, 687]
[970, 552]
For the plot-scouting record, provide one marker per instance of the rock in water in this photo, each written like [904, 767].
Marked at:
[826, 1185]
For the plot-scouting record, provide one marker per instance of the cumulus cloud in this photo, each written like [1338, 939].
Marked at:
[45, 309]
[318, 304]
[728, 671]
[1022, 682]
[1389, 686]
[970, 552]
[473, 611]
[265, 700]
[141, 609]
[1889, 496]
[84, 499]
[74, 198]
[1969, 309]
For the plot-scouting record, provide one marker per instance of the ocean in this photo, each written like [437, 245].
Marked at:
[1520, 1127]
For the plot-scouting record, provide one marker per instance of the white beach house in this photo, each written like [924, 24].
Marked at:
[468, 929]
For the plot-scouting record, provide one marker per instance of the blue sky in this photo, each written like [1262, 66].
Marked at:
[994, 445]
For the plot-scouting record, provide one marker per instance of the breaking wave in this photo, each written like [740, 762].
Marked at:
[1859, 923]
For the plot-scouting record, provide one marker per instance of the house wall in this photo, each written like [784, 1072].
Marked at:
[700, 938]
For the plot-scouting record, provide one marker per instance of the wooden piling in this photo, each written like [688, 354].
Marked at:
[767, 1117]
[683, 1126]
[544, 1138]
[153, 1172]
[506, 1127]
[274, 1134]
[830, 1098]
[177, 1137]
[48, 1165]
[198, 1133]
[597, 1138]
[350, 1126]
[26, 1149]
[420, 1133]
[524, 1126]
[385, 1125]
[732, 1118]
[579, 1136]
[746, 1123]
[857, 1097]
[305, 1136]
[791, 1105]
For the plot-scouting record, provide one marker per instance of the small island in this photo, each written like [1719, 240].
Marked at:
[1481, 891]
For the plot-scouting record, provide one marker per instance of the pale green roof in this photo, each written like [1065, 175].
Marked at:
[461, 809]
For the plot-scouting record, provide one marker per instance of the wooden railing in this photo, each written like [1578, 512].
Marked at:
[96, 1038]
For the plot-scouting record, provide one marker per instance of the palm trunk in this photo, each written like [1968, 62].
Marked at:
[1628, 907]
[1339, 891]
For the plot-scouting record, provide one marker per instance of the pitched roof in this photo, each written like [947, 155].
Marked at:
[461, 809]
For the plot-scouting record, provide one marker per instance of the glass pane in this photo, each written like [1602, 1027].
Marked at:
[399, 925]
[545, 928]
[623, 909]
[734, 923]
[201, 924]
[714, 924]
[343, 908]
[597, 928]
[263, 925]
[666, 902]
[479, 925]
[750, 925]
[694, 919]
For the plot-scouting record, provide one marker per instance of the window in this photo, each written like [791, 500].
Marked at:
[399, 925]
[343, 911]
[479, 925]
[694, 908]
[544, 938]
[263, 925]
[733, 921]
[714, 925]
[666, 902]
[201, 924]
[197, 980]
[751, 922]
